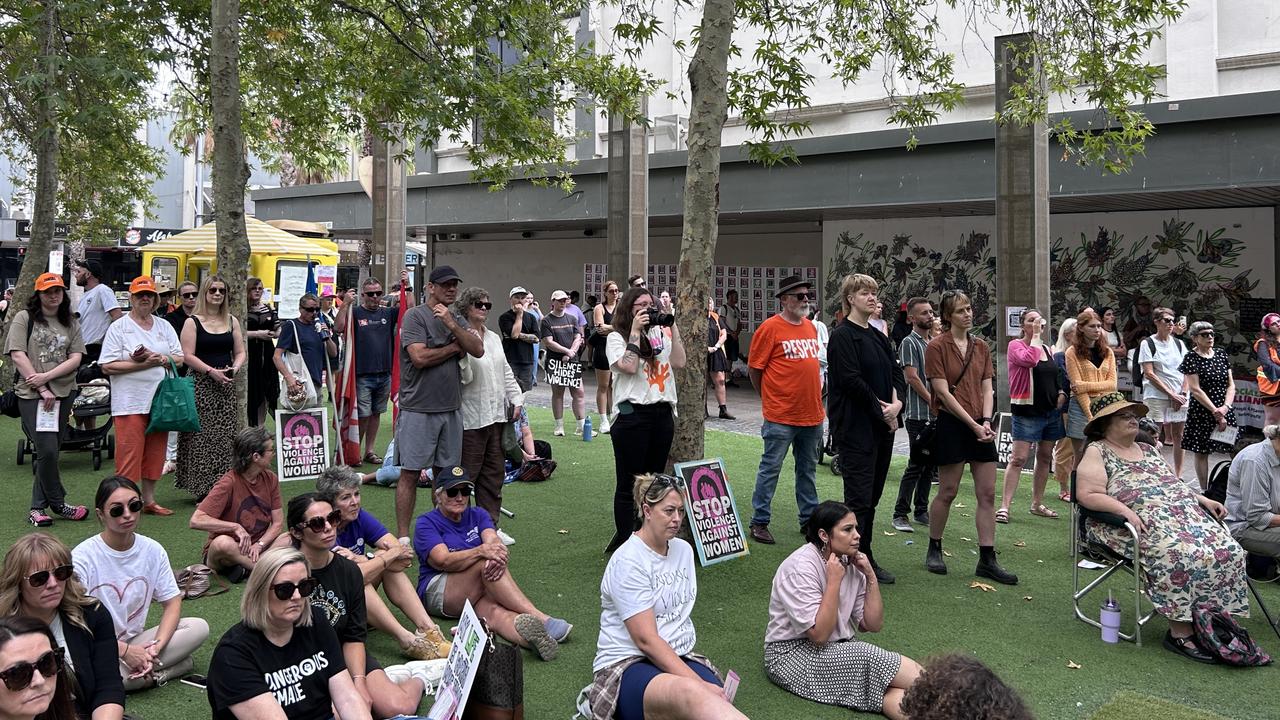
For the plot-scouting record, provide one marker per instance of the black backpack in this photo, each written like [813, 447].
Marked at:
[1135, 367]
[1217, 489]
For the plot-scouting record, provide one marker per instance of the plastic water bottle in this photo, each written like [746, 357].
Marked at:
[1110, 620]
[586, 429]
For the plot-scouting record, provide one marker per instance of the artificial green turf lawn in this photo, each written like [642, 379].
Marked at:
[1027, 633]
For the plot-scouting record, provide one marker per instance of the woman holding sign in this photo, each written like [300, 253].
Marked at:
[824, 594]
[645, 665]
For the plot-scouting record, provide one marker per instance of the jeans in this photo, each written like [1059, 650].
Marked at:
[864, 463]
[804, 441]
[47, 489]
[916, 477]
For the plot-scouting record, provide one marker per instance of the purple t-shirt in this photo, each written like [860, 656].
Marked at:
[364, 531]
[433, 528]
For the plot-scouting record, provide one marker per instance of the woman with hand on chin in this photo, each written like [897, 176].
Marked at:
[33, 668]
[825, 593]
[127, 572]
[645, 666]
[283, 660]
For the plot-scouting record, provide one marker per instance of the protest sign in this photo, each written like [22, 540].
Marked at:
[460, 668]
[1004, 445]
[302, 443]
[564, 373]
[712, 511]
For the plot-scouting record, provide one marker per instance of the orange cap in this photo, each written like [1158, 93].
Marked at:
[49, 280]
[141, 284]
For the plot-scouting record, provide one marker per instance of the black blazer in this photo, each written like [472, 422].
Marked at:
[97, 660]
[852, 404]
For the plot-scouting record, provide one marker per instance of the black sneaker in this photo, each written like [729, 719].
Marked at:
[922, 518]
[237, 574]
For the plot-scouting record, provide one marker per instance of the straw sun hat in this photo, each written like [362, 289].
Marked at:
[1110, 404]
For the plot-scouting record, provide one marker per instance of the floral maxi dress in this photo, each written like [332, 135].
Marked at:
[1187, 557]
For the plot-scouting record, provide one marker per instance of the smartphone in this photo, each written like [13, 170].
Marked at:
[195, 680]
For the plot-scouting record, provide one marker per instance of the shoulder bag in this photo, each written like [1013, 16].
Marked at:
[194, 582]
[925, 447]
[291, 399]
[498, 690]
[173, 409]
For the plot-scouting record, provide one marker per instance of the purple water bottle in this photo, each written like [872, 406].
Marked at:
[1110, 620]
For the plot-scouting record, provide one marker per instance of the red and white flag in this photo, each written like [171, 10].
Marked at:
[348, 450]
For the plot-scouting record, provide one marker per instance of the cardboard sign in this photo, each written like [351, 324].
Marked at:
[712, 511]
[564, 373]
[460, 668]
[1004, 445]
[302, 443]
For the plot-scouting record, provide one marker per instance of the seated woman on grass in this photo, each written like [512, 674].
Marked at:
[825, 593]
[382, 561]
[645, 666]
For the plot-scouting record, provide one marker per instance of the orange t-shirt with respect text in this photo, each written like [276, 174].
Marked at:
[791, 389]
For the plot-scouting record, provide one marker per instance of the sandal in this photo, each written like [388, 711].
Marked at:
[1064, 496]
[371, 458]
[1002, 516]
[1043, 511]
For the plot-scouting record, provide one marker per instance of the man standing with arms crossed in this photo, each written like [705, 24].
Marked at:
[785, 369]
[429, 431]
[918, 477]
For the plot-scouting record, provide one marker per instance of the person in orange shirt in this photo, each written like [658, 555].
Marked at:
[784, 367]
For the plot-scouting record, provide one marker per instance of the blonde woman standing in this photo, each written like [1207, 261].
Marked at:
[214, 348]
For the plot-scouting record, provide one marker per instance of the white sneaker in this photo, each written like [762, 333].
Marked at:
[604, 425]
[428, 671]
[559, 431]
[505, 538]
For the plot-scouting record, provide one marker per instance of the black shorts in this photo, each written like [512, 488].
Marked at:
[957, 443]
[599, 359]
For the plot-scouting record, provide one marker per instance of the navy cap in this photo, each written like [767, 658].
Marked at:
[443, 274]
[450, 476]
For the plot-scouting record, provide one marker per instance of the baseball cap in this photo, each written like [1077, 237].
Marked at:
[49, 280]
[142, 284]
[517, 290]
[444, 273]
[94, 267]
[451, 476]
[559, 295]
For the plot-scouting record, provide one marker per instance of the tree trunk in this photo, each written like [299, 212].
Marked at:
[230, 171]
[46, 146]
[708, 82]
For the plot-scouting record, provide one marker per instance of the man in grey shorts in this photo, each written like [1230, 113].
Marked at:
[429, 429]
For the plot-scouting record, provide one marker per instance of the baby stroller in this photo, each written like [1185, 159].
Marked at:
[92, 400]
[828, 445]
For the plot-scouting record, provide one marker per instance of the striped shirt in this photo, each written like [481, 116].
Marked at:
[912, 354]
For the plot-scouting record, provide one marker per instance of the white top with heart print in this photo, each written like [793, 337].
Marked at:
[125, 582]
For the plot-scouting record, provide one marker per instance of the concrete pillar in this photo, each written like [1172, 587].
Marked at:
[1022, 208]
[628, 188]
[387, 251]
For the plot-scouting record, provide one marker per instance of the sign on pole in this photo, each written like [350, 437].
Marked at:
[712, 511]
[564, 373]
[1004, 445]
[460, 668]
[302, 443]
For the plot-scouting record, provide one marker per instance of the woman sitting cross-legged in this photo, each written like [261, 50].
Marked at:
[461, 558]
[283, 659]
[127, 571]
[1187, 558]
[340, 593]
[382, 560]
[645, 666]
[824, 594]
[38, 581]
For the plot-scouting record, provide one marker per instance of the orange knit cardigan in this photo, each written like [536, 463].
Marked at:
[1089, 381]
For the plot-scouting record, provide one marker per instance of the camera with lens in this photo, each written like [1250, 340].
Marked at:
[660, 319]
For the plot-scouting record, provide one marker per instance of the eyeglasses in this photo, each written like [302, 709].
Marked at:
[217, 291]
[18, 677]
[463, 490]
[1206, 333]
[318, 522]
[134, 505]
[194, 295]
[482, 305]
[803, 296]
[1127, 416]
[374, 293]
[61, 573]
[311, 308]
[285, 590]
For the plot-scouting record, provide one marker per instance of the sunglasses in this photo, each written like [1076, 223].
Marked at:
[18, 677]
[662, 480]
[217, 291]
[803, 296]
[1165, 319]
[192, 295]
[463, 490]
[612, 290]
[135, 507]
[373, 293]
[311, 308]
[318, 522]
[61, 573]
[1207, 333]
[482, 305]
[285, 590]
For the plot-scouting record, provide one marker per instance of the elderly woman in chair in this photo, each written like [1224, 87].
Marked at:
[1187, 557]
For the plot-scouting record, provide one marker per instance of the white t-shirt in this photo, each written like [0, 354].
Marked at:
[125, 582]
[93, 309]
[131, 393]
[1167, 358]
[654, 383]
[638, 579]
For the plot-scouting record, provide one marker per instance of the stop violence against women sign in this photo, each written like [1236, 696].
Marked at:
[712, 511]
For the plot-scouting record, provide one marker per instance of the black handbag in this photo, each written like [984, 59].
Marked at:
[498, 690]
[925, 448]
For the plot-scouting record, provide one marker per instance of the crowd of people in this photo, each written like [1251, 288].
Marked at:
[320, 571]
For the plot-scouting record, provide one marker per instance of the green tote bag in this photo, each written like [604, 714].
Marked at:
[173, 409]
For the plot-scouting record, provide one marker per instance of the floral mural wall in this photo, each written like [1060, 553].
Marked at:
[1215, 265]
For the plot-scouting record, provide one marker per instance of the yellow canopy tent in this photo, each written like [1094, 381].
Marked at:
[263, 239]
